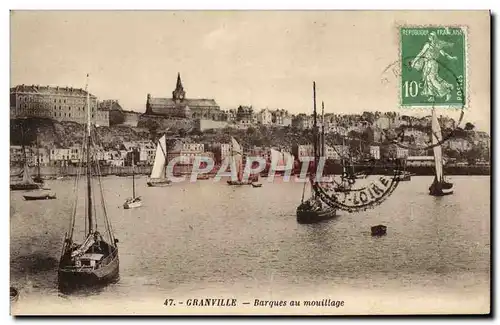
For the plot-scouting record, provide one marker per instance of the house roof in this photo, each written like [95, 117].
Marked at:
[169, 102]
[49, 90]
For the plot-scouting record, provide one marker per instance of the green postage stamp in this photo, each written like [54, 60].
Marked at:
[434, 66]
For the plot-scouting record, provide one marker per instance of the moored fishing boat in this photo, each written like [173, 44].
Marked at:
[313, 210]
[95, 260]
[39, 196]
[27, 183]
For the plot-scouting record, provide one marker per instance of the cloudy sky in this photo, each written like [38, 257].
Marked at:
[261, 58]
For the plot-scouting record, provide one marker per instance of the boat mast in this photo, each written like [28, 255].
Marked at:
[133, 175]
[89, 170]
[315, 139]
[322, 128]
[38, 155]
[166, 152]
[315, 136]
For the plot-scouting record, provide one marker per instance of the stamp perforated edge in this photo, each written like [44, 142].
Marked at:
[466, 30]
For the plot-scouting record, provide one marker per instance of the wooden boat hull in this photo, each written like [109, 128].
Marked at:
[25, 187]
[313, 216]
[14, 294]
[238, 183]
[379, 230]
[256, 185]
[159, 183]
[132, 205]
[72, 278]
[39, 197]
[441, 189]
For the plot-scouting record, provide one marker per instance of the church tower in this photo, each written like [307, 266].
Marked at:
[178, 94]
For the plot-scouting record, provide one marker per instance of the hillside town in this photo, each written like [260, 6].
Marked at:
[47, 122]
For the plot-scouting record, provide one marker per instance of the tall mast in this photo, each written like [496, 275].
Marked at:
[322, 128]
[89, 169]
[24, 149]
[37, 154]
[315, 125]
[166, 153]
[133, 174]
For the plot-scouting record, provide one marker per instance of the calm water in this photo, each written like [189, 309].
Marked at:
[205, 239]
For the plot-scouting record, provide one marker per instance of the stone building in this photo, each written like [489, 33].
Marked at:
[57, 103]
[181, 107]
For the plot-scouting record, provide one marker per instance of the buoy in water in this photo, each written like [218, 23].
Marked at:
[379, 230]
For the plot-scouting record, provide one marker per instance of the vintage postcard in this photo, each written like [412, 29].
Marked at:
[250, 162]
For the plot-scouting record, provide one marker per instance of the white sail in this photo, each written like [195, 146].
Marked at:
[282, 161]
[277, 160]
[26, 176]
[438, 153]
[158, 170]
[237, 156]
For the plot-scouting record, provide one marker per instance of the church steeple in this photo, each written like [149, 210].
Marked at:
[178, 94]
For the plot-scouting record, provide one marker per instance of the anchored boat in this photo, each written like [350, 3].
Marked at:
[313, 210]
[439, 186]
[134, 201]
[39, 196]
[94, 260]
[237, 162]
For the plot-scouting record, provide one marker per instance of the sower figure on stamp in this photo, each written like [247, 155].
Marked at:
[426, 61]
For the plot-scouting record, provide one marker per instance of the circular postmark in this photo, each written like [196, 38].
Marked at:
[361, 187]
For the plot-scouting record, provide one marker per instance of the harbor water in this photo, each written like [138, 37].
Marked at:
[210, 240]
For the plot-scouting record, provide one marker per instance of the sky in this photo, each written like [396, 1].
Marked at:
[259, 58]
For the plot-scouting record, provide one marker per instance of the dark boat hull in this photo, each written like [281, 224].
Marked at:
[441, 189]
[71, 278]
[25, 187]
[238, 183]
[379, 230]
[159, 183]
[39, 197]
[313, 216]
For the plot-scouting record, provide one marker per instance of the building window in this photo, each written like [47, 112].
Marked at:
[55, 100]
[69, 114]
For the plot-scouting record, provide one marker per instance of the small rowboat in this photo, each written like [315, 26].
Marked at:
[14, 294]
[40, 196]
[256, 185]
[131, 203]
[379, 230]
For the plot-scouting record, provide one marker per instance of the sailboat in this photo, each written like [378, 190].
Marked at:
[134, 201]
[439, 186]
[27, 182]
[312, 210]
[95, 260]
[158, 177]
[38, 178]
[237, 162]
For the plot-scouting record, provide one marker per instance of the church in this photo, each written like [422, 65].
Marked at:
[181, 107]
